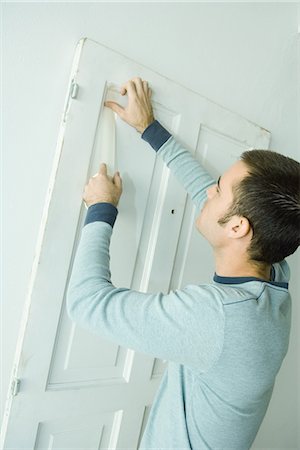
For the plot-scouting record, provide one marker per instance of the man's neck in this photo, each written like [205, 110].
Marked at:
[228, 265]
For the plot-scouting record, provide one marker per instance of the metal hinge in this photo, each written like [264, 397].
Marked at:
[74, 89]
[15, 386]
[72, 94]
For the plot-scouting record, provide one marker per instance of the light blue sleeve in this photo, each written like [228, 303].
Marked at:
[184, 326]
[189, 172]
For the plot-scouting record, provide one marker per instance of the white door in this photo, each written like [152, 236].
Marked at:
[76, 390]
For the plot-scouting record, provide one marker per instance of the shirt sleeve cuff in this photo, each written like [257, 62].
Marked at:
[156, 135]
[103, 212]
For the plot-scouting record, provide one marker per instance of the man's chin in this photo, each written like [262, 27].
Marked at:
[199, 225]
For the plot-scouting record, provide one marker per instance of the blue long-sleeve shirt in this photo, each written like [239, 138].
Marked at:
[224, 341]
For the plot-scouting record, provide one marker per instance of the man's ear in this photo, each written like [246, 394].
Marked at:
[238, 227]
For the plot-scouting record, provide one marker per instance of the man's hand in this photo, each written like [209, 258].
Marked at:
[138, 112]
[103, 188]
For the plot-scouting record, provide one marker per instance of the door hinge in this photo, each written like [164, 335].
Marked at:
[74, 89]
[15, 386]
[72, 94]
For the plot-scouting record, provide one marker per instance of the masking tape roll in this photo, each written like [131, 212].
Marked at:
[107, 141]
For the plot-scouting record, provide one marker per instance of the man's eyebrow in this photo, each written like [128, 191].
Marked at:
[218, 182]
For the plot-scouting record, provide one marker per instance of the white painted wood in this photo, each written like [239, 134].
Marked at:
[78, 390]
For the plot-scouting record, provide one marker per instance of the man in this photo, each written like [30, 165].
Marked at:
[224, 341]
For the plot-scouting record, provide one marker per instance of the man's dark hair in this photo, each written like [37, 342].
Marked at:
[269, 197]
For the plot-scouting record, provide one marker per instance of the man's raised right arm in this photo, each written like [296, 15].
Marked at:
[189, 172]
[139, 114]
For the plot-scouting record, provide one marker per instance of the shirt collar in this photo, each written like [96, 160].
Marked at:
[238, 280]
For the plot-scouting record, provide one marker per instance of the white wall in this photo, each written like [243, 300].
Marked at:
[241, 55]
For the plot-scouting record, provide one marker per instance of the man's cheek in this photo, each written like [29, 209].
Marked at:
[199, 219]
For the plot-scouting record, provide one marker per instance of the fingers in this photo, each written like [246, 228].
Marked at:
[139, 86]
[145, 87]
[129, 87]
[118, 180]
[116, 108]
[135, 85]
[103, 169]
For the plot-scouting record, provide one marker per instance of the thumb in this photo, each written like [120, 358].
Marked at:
[118, 180]
[116, 108]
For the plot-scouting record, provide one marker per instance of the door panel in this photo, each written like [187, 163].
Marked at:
[78, 390]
